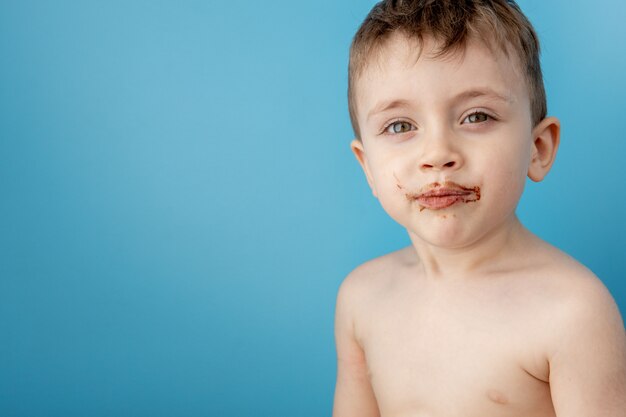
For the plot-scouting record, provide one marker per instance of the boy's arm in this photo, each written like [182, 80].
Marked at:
[354, 396]
[588, 364]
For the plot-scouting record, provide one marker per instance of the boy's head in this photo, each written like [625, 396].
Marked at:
[449, 111]
[499, 24]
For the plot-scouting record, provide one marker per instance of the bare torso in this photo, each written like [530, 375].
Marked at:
[466, 347]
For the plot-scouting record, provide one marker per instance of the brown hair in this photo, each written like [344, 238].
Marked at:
[451, 23]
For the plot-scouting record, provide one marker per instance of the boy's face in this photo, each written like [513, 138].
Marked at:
[459, 126]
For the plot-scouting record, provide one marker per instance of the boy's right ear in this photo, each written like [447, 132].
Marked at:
[359, 152]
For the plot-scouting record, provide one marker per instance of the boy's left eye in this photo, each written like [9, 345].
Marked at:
[477, 117]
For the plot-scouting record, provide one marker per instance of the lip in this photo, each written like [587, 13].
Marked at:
[440, 202]
[439, 196]
[444, 192]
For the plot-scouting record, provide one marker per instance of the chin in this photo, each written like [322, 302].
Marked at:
[451, 235]
[448, 241]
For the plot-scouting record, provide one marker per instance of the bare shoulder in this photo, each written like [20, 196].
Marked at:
[574, 284]
[585, 341]
[368, 283]
[577, 301]
[376, 274]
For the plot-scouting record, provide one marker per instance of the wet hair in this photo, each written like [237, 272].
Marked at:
[451, 23]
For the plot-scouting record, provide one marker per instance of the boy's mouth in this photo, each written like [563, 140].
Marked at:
[439, 196]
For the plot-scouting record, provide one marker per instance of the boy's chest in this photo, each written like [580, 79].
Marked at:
[454, 358]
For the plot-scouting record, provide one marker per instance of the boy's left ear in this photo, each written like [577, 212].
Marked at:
[546, 137]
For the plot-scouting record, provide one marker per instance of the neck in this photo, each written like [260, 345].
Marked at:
[478, 258]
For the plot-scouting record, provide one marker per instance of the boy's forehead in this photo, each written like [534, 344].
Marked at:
[395, 68]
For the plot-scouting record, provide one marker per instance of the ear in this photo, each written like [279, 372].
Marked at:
[359, 152]
[546, 137]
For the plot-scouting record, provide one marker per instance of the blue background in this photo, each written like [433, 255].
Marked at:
[179, 203]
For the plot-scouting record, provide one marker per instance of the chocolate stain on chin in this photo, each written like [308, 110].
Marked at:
[475, 191]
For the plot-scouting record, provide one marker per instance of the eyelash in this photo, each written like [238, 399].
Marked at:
[391, 123]
[489, 116]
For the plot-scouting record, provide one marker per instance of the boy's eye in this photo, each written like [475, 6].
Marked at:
[399, 127]
[477, 117]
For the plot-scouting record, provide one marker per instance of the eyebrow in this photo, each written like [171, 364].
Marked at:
[483, 92]
[465, 95]
[388, 105]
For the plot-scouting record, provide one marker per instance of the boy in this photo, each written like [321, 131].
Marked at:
[478, 317]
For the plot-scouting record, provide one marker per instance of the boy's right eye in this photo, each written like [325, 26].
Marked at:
[398, 126]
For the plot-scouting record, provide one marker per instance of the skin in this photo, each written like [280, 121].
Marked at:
[478, 317]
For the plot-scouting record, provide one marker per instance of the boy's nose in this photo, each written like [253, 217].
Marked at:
[439, 155]
[449, 164]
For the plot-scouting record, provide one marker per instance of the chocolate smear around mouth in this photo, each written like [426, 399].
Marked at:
[474, 195]
[473, 191]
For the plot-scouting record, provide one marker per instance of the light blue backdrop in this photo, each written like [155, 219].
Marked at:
[179, 203]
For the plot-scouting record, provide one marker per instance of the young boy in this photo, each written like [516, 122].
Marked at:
[478, 317]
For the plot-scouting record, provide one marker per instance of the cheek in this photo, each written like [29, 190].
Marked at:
[509, 176]
[383, 167]
[391, 197]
